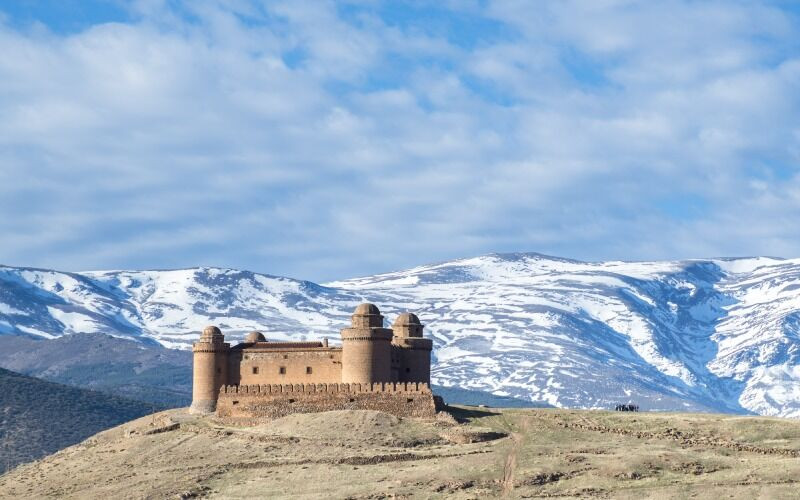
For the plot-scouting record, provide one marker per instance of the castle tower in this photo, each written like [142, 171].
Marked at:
[366, 347]
[210, 369]
[415, 351]
[255, 337]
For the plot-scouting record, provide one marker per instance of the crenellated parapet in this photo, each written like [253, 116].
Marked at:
[377, 387]
[413, 343]
[253, 403]
[198, 347]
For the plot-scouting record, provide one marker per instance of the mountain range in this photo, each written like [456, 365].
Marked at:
[694, 335]
[117, 366]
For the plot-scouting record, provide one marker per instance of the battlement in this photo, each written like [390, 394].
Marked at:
[254, 403]
[378, 387]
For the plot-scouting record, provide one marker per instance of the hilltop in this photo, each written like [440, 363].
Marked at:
[39, 417]
[363, 454]
[719, 335]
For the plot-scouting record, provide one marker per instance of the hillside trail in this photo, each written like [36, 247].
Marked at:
[510, 466]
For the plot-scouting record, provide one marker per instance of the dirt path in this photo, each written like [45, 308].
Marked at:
[510, 466]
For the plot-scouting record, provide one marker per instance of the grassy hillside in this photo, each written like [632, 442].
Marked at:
[519, 453]
[39, 417]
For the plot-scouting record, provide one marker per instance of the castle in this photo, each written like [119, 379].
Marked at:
[376, 368]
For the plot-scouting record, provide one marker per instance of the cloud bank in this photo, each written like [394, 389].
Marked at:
[325, 140]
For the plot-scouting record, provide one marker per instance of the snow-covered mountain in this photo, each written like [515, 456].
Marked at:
[710, 335]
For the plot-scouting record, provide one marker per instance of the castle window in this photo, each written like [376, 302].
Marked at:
[255, 370]
[282, 370]
[410, 400]
[408, 370]
[308, 370]
[291, 400]
[285, 356]
[219, 370]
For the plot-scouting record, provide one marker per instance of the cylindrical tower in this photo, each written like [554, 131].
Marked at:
[366, 347]
[210, 370]
[415, 351]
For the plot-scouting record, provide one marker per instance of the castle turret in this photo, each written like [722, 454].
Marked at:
[255, 337]
[366, 347]
[210, 369]
[414, 351]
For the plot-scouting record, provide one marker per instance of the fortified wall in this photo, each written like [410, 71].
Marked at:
[376, 368]
[274, 401]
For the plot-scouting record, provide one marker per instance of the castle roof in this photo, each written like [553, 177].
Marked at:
[407, 318]
[212, 334]
[366, 316]
[254, 337]
[367, 309]
[211, 330]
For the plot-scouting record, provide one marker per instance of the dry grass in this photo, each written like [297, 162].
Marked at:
[360, 454]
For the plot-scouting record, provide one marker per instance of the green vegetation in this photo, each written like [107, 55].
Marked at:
[39, 417]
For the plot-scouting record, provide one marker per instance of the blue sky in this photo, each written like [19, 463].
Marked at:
[324, 140]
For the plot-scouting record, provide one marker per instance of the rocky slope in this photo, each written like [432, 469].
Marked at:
[709, 335]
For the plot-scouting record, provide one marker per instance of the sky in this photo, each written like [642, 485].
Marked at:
[326, 140]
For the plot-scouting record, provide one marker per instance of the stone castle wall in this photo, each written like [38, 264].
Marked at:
[258, 402]
[254, 366]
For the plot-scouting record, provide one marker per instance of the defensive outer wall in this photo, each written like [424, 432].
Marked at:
[377, 368]
[274, 401]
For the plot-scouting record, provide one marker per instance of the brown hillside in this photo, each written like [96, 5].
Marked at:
[364, 454]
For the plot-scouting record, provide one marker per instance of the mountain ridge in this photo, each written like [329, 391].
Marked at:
[697, 334]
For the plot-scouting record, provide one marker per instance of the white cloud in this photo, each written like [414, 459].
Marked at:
[288, 138]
